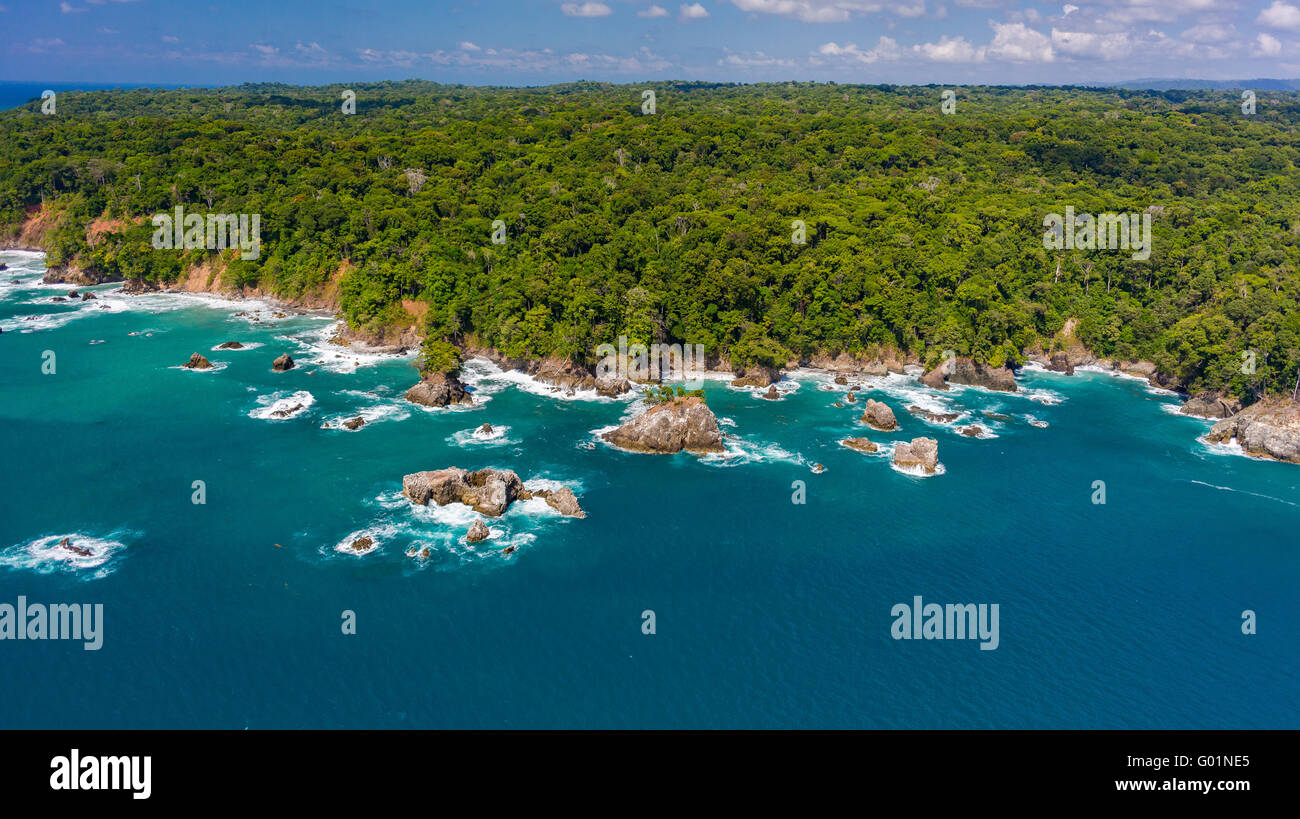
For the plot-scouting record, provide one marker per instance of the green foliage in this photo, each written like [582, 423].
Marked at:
[923, 232]
[665, 394]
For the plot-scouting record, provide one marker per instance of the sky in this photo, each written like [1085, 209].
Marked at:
[538, 42]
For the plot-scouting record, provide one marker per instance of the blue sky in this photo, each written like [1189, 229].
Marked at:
[534, 42]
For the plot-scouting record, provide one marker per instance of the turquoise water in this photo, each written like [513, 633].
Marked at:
[768, 613]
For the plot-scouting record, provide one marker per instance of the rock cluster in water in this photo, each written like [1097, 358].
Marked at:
[487, 491]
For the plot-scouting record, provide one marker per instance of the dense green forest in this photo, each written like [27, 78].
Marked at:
[924, 229]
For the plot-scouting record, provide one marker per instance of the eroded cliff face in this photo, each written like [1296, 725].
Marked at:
[1267, 429]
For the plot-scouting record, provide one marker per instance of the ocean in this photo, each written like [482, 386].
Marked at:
[230, 613]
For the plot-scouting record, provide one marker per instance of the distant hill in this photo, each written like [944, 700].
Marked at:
[1211, 85]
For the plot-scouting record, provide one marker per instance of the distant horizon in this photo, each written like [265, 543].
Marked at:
[531, 43]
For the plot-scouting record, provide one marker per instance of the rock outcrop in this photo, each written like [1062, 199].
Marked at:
[920, 452]
[439, 390]
[282, 363]
[354, 423]
[561, 500]
[135, 287]
[1267, 429]
[362, 544]
[683, 423]
[967, 372]
[197, 362]
[756, 376]
[860, 444]
[1211, 405]
[230, 345]
[74, 275]
[879, 416]
[1060, 363]
[478, 531]
[972, 431]
[487, 491]
[612, 386]
[772, 394]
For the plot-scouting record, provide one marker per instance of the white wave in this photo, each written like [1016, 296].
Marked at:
[739, 451]
[1034, 422]
[46, 554]
[482, 373]
[1245, 492]
[378, 534]
[281, 402]
[984, 434]
[919, 471]
[469, 437]
[317, 350]
[381, 410]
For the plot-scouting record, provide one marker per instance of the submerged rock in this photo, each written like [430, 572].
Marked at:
[972, 431]
[230, 345]
[935, 417]
[197, 362]
[683, 423]
[282, 363]
[922, 452]
[361, 544]
[439, 390]
[879, 416]
[354, 423]
[1267, 429]
[860, 444]
[477, 532]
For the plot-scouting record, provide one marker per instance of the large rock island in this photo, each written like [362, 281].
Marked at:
[682, 423]
[1267, 429]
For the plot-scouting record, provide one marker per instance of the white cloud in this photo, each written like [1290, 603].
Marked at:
[1280, 15]
[1211, 33]
[653, 11]
[886, 49]
[693, 12]
[1089, 45]
[586, 9]
[68, 8]
[466, 45]
[1067, 8]
[950, 50]
[1018, 43]
[756, 59]
[1267, 45]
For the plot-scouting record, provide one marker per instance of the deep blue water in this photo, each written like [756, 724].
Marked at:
[768, 613]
